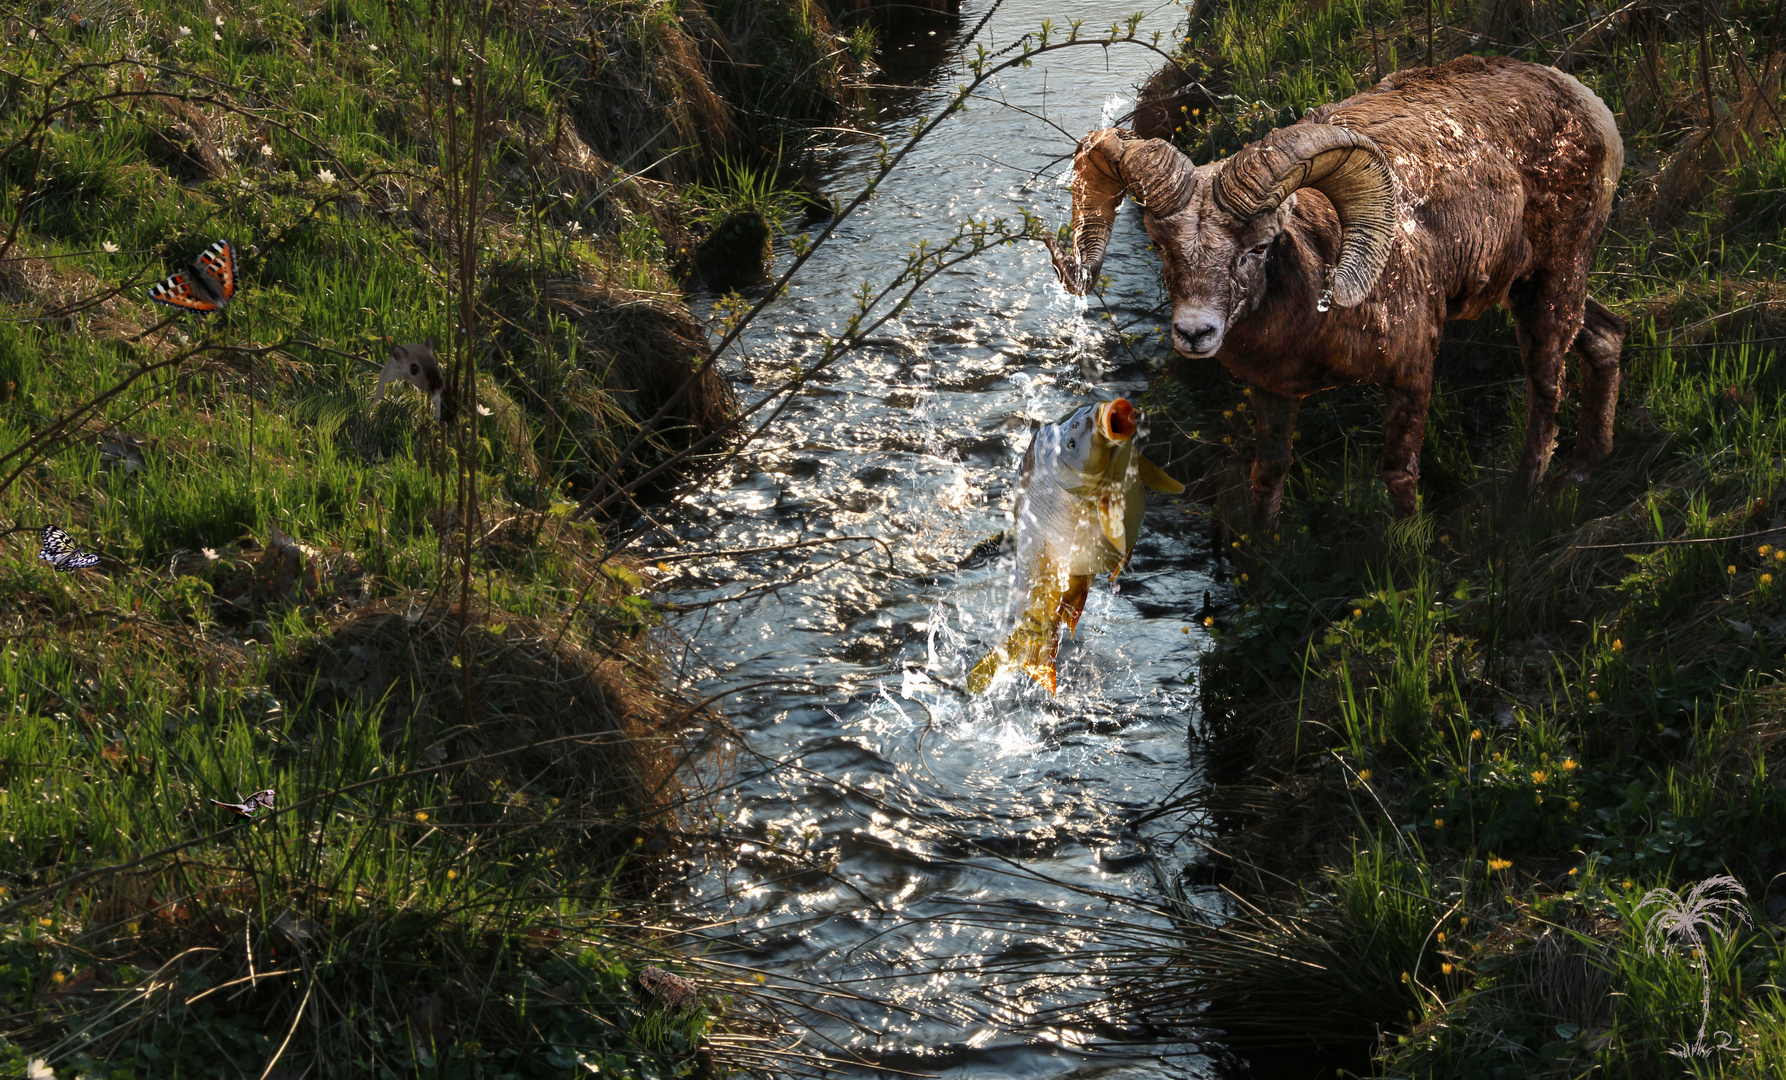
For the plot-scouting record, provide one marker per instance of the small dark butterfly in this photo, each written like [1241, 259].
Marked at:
[59, 551]
[204, 287]
[414, 364]
[260, 800]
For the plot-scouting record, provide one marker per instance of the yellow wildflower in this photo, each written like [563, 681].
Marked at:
[1446, 968]
[421, 817]
[1618, 645]
[1568, 764]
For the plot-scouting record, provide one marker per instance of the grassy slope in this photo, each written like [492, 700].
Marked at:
[461, 922]
[1455, 754]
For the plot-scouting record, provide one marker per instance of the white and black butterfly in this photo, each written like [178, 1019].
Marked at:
[414, 364]
[59, 551]
[258, 801]
[204, 287]
[249, 805]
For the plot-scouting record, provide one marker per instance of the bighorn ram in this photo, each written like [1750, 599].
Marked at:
[1332, 251]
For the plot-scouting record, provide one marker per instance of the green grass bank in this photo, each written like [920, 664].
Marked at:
[1474, 773]
[399, 624]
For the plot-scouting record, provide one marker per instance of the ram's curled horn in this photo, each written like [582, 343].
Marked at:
[1108, 163]
[1339, 163]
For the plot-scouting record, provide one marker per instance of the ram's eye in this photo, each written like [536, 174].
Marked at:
[1260, 250]
[1072, 444]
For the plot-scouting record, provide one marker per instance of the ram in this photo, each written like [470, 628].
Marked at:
[1331, 252]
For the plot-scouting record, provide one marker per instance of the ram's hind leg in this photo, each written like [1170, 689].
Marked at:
[1597, 347]
[1547, 314]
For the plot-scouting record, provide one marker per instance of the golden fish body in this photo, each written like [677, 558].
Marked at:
[1081, 498]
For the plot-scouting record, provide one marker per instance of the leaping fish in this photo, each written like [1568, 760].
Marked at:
[1080, 502]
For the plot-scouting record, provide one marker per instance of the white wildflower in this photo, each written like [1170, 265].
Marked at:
[325, 176]
[39, 1069]
[371, 46]
[185, 31]
[266, 150]
[109, 248]
[456, 81]
[209, 553]
[215, 36]
[576, 226]
[218, 21]
[483, 410]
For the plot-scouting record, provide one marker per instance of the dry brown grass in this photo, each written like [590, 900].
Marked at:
[1692, 172]
[529, 686]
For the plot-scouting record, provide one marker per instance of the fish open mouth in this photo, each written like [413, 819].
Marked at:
[1117, 420]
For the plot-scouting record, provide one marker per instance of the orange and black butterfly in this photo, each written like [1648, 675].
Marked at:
[260, 800]
[205, 286]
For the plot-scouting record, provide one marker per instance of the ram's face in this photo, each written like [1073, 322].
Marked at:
[1215, 266]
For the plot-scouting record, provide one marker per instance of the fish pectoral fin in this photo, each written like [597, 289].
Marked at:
[1072, 602]
[1155, 477]
[1113, 518]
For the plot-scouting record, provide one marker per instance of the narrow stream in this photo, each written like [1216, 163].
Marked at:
[920, 841]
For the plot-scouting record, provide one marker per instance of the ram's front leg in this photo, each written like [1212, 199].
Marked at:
[1274, 422]
[1404, 427]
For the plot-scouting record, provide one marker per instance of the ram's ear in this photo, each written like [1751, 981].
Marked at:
[1286, 212]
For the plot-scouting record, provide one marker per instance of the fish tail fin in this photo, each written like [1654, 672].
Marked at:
[1031, 647]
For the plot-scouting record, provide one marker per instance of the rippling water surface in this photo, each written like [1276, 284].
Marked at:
[919, 843]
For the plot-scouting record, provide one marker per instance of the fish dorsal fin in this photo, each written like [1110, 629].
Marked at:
[1155, 477]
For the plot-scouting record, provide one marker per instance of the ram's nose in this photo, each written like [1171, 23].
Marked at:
[1196, 333]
